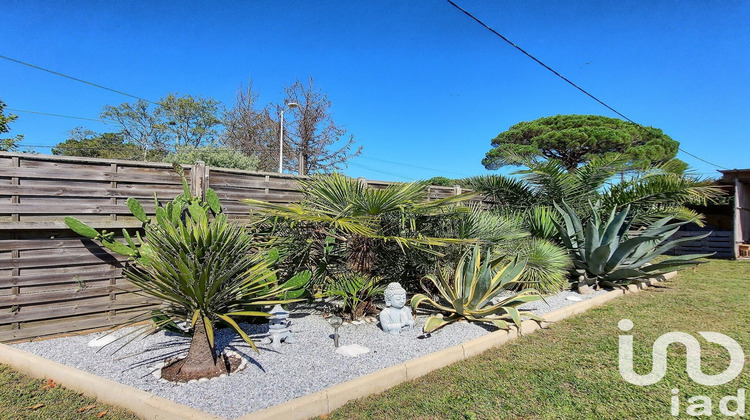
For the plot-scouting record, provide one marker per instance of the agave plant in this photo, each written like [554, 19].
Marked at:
[204, 271]
[478, 291]
[603, 255]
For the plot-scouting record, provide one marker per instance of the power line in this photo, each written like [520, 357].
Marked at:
[413, 166]
[59, 115]
[75, 78]
[563, 77]
[379, 171]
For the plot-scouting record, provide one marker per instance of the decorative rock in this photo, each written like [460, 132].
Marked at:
[103, 340]
[156, 372]
[352, 350]
[574, 298]
[396, 317]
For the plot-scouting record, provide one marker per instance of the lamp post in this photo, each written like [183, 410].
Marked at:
[289, 106]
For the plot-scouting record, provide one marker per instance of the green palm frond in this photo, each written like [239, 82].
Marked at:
[504, 190]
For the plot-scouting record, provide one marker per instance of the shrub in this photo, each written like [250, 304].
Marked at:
[356, 292]
[220, 157]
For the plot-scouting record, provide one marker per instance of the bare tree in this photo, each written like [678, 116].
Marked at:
[253, 131]
[315, 139]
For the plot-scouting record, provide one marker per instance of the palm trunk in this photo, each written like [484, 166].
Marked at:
[201, 360]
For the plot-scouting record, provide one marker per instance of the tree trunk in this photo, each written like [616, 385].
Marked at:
[201, 361]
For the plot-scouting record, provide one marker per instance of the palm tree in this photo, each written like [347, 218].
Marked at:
[343, 225]
[653, 193]
[202, 269]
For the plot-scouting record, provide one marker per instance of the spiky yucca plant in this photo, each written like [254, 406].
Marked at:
[603, 255]
[203, 269]
[478, 291]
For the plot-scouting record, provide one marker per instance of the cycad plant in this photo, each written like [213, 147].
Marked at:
[356, 293]
[203, 269]
[604, 255]
[478, 290]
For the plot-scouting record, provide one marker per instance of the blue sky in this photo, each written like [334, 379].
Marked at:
[416, 82]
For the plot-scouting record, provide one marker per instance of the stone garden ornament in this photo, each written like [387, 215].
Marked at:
[396, 316]
[278, 327]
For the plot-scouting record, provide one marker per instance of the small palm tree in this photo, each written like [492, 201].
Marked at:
[349, 224]
[203, 269]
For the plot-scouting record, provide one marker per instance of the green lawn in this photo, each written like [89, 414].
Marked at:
[570, 371]
[22, 397]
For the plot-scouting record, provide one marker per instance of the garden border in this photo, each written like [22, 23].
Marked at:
[149, 406]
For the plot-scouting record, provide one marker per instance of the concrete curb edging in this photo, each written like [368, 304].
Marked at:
[149, 406]
[142, 403]
[327, 400]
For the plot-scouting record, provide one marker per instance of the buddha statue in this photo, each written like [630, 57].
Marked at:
[396, 317]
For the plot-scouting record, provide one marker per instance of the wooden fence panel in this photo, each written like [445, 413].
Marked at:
[52, 280]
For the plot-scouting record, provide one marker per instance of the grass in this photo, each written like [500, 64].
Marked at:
[571, 369]
[22, 397]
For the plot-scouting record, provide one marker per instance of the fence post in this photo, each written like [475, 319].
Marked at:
[199, 179]
[457, 190]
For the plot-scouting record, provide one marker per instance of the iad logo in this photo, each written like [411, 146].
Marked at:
[693, 368]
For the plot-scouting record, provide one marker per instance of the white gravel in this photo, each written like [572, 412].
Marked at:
[272, 377]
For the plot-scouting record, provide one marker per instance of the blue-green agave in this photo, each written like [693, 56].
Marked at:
[478, 290]
[603, 254]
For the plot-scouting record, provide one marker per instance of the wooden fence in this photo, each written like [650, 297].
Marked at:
[53, 281]
[719, 241]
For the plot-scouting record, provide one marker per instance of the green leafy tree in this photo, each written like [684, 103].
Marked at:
[220, 157]
[573, 140]
[189, 121]
[88, 143]
[9, 144]
[442, 181]
[139, 126]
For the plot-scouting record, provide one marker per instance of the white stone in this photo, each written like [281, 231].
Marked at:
[574, 298]
[103, 340]
[352, 350]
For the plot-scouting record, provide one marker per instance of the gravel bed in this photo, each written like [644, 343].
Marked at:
[273, 376]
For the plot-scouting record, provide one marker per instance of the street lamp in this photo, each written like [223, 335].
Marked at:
[289, 106]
